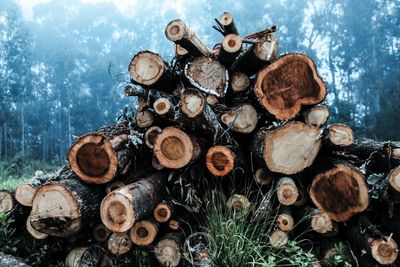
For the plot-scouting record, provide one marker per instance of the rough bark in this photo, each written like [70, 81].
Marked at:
[227, 24]
[287, 84]
[99, 157]
[122, 208]
[64, 207]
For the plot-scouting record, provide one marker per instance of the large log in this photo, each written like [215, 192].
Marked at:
[340, 191]
[177, 32]
[25, 191]
[208, 75]
[288, 149]
[242, 118]
[122, 208]
[287, 84]
[99, 157]
[64, 207]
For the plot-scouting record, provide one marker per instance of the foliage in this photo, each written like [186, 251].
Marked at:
[6, 231]
[343, 256]
[138, 258]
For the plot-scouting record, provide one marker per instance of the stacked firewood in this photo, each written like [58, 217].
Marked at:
[238, 112]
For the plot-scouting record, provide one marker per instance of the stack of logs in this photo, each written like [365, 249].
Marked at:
[239, 114]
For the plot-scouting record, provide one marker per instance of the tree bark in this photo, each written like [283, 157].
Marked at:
[163, 211]
[287, 84]
[122, 208]
[99, 157]
[151, 135]
[227, 24]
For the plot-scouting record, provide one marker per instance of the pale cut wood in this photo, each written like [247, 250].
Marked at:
[74, 256]
[147, 68]
[180, 51]
[144, 232]
[119, 243]
[25, 191]
[144, 119]
[340, 135]
[101, 233]
[208, 75]
[7, 202]
[162, 106]
[394, 178]
[384, 252]
[282, 149]
[278, 239]
[35, 234]
[286, 191]
[212, 100]
[193, 102]
[322, 223]
[177, 32]
[151, 135]
[341, 191]
[173, 148]
[239, 82]
[242, 118]
[163, 211]
[227, 24]
[239, 204]
[231, 46]
[284, 220]
[122, 208]
[168, 249]
[288, 83]
[99, 157]
[220, 160]
[316, 116]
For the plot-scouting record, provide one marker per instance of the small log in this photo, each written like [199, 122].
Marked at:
[221, 160]
[168, 250]
[193, 102]
[394, 178]
[281, 149]
[177, 32]
[322, 223]
[163, 211]
[119, 243]
[340, 191]
[316, 116]
[227, 24]
[242, 118]
[278, 239]
[101, 233]
[114, 186]
[231, 46]
[264, 177]
[239, 82]
[74, 257]
[173, 148]
[11, 261]
[339, 135]
[287, 84]
[144, 232]
[208, 75]
[148, 69]
[257, 56]
[151, 135]
[284, 220]
[99, 157]
[163, 106]
[122, 208]
[64, 207]
[286, 191]
[24, 192]
[212, 100]
[239, 204]
[144, 119]
[180, 51]
[7, 202]
[35, 234]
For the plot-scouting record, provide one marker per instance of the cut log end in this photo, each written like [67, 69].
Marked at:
[239, 82]
[93, 159]
[231, 43]
[284, 220]
[316, 116]
[220, 160]
[384, 252]
[168, 252]
[151, 135]
[146, 68]
[285, 153]
[212, 100]
[225, 19]
[286, 191]
[162, 106]
[180, 51]
[119, 243]
[55, 211]
[266, 49]
[74, 256]
[24, 194]
[117, 212]
[394, 179]
[101, 233]
[242, 119]
[6, 201]
[322, 223]
[143, 232]
[340, 135]
[239, 204]
[175, 30]
[278, 239]
[193, 102]
[340, 192]
[173, 148]
[144, 119]
[162, 212]
[287, 84]
[35, 234]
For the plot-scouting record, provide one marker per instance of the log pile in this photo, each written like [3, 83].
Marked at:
[239, 114]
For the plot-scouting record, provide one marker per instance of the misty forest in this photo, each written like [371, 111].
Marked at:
[199, 133]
